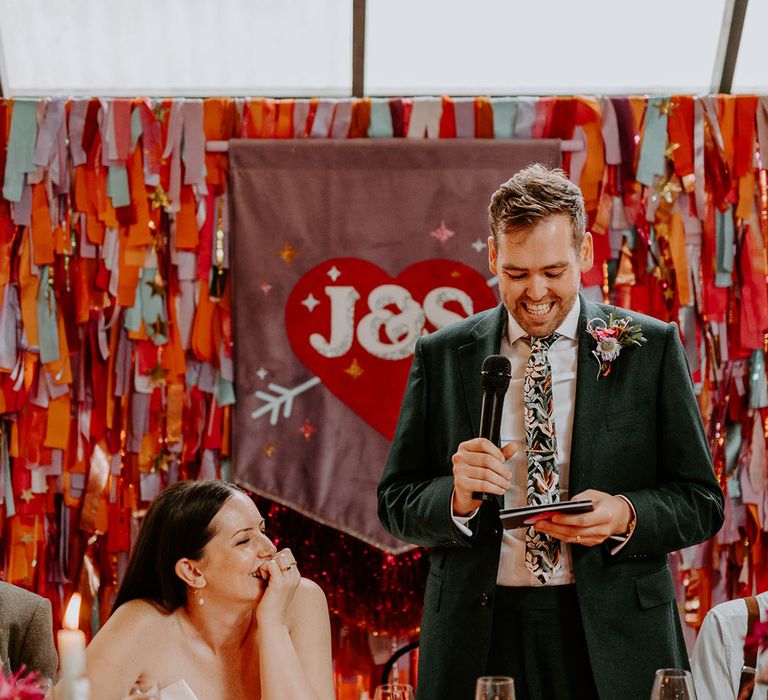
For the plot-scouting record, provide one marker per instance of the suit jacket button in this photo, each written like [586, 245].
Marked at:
[484, 599]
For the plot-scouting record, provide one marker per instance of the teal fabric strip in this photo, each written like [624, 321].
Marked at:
[47, 329]
[652, 161]
[758, 390]
[381, 119]
[504, 115]
[225, 392]
[152, 307]
[21, 148]
[132, 320]
[117, 186]
[726, 248]
[137, 128]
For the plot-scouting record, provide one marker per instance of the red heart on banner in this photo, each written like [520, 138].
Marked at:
[354, 326]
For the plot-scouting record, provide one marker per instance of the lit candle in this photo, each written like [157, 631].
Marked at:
[72, 642]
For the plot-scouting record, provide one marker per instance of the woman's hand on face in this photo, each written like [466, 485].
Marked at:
[282, 577]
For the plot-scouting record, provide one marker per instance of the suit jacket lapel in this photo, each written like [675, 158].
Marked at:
[591, 394]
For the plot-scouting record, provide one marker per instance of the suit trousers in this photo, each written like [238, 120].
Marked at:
[538, 639]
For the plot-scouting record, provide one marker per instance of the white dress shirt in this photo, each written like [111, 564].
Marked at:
[719, 652]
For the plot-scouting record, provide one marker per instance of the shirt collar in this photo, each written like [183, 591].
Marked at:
[568, 328]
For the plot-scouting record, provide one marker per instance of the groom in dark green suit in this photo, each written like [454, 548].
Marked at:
[600, 406]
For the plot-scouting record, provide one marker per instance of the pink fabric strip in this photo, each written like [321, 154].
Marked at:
[342, 117]
[77, 112]
[610, 130]
[464, 108]
[194, 144]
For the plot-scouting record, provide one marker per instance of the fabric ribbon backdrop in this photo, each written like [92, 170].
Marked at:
[116, 341]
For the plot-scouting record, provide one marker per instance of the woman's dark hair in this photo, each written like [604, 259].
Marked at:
[177, 525]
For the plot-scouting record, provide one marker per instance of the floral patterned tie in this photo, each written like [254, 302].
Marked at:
[542, 553]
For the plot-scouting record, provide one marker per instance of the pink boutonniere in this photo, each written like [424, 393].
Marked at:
[23, 685]
[611, 337]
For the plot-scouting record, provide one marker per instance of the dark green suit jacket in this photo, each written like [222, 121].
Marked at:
[637, 432]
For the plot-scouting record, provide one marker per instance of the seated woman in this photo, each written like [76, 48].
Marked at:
[208, 610]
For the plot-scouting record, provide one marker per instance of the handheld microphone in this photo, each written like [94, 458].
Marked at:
[494, 381]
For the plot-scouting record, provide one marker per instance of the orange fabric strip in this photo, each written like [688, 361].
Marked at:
[28, 286]
[677, 251]
[202, 336]
[57, 426]
[138, 232]
[361, 118]
[680, 131]
[746, 195]
[187, 234]
[284, 120]
[483, 118]
[744, 132]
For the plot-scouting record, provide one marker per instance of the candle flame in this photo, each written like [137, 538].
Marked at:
[72, 615]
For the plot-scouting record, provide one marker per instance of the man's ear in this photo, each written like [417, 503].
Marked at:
[587, 257]
[492, 255]
[189, 572]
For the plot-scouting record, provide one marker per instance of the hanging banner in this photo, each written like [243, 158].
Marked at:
[345, 253]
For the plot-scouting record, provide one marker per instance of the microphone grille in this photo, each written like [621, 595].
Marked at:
[496, 373]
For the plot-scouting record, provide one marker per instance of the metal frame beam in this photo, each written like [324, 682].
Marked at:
[358, 48]
[728, 46]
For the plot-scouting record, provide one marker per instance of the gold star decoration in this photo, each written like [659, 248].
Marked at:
[270, 449]
[27, 539]
[666, 190]
[160, 111]
[666, 107]
[27, 495]
[670, 149]
[455, 274]
[160, 461]
[159, 327]
[354, 370]
[288, 253]
[157, 285]
[157, 374]
[159, 198]
[307, 429]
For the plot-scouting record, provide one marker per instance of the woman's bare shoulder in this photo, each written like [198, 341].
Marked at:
[309, 600]
[139, 616]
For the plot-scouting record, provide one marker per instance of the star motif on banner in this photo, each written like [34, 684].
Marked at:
[269, 449]
[666, 107]
[27, 539]
[160, 462]
[261, 373]
[478, 245]
[310, 302]
[455, 274]
[442, 233]
[160, 111]
[27, 495]
[159, 198]
[307, 429]
[157, 286]
[670, 150]
[354, 370]
[333, 273]
[265, 287]
[287, 253]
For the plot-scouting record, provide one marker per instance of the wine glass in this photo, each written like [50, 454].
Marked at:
[673, 684]
[394, 691]
[495, 688]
